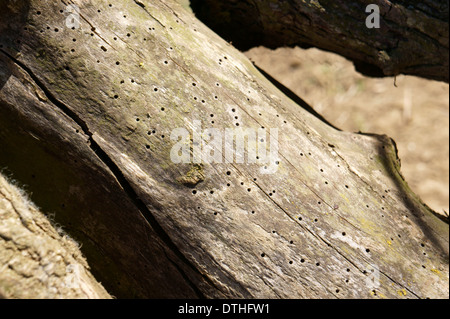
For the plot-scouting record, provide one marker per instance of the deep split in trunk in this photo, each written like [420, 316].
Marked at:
[86, 117]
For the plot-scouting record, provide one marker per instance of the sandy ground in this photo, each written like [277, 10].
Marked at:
[415, 113]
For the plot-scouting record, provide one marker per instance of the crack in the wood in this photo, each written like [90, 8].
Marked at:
[185, 277]
[117, 173]
[5, 238]
[128, 46]
[306, 228]
[317, 195]
[173, 12]
[399, 284]
[269, 286]
[93, 29]
[295, 221]
[243, 293]
[140, 4]
[305, 278]
[182, 68]
[285, 211]
[370, 188]
[335, 248]
[295, 168]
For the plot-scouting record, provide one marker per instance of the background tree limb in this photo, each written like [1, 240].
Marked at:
[413, 38]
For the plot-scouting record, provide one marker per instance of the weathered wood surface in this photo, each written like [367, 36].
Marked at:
[35, 260]
[413, 37]
[86, 116]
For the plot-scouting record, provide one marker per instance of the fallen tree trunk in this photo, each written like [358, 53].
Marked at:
[86, 118]
[412, 37]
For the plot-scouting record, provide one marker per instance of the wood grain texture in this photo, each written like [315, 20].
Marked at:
[36, 260]
[89, 113]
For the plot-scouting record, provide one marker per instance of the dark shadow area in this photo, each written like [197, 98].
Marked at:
[245, 34]
[340, 27]
[74, 189]
[232, 25]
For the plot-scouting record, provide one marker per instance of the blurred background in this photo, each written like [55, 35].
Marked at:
[415, 113]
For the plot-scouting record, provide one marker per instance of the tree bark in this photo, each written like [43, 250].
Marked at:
[413, 37]
[86, 118]
[35, 260]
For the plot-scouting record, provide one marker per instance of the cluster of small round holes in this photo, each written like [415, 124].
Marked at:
[194, 192]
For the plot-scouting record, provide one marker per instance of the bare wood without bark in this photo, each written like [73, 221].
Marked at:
[86, 116]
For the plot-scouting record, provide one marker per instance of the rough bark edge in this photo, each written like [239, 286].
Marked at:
[38, 260]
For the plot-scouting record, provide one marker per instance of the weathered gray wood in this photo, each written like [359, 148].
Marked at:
[35, 260]
[412, 38]
[48, 152]
[86, 117]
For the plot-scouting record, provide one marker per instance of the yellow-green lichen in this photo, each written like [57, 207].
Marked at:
[195, 176]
